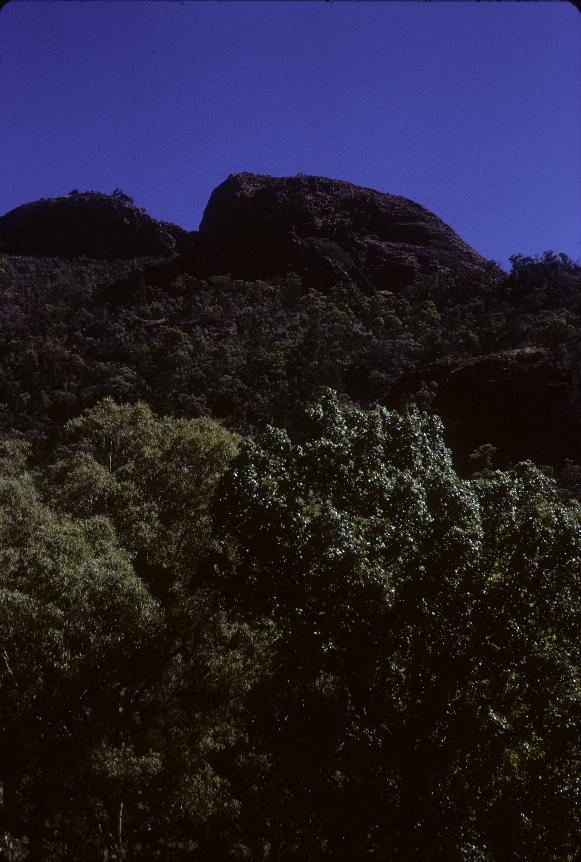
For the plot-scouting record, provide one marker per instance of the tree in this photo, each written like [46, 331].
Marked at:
[422, 694]
[120, 195]
[75, 624]
[153, 477]
[119, 690]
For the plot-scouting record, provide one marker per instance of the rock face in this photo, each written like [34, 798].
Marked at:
[496, 398]
[87, 224]
[255, 226]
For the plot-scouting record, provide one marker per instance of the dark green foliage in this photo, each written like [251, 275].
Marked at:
[319, 643]
[120, 679]
[253, 352]
[423, 700]
[214, 648]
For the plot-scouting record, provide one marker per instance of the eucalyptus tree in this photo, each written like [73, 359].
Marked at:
[421, 702]
[122, 681]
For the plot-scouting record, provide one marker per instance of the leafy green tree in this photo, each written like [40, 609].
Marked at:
[153, 477]
[75, 622]
[318, 648]
[422, 692]
[117, 705]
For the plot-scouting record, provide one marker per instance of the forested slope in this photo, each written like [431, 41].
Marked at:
[497, 356]
[256, 601]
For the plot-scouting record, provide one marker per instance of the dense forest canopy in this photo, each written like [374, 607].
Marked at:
[497, 356]
[257, 600]
[220, 648]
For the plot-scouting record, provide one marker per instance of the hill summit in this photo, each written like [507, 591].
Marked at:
[90, 224]
[256, 225]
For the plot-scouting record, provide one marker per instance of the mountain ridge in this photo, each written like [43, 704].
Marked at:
[279, 293]
[255, 225]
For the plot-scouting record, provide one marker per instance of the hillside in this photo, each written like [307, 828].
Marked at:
[281, 291]
[257, 602]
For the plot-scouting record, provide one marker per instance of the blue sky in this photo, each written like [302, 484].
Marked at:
[471, 109]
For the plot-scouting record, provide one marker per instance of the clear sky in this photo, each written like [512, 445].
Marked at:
[471, 109]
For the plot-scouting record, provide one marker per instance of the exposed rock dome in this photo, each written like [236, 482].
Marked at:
[87, 224]
[255, 226]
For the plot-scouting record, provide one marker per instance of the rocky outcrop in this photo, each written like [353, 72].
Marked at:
[87, 224]
[515, 399]
[255, 226]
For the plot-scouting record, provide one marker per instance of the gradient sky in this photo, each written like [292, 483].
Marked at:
[471, 109]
